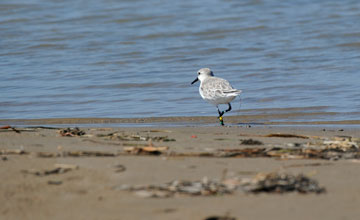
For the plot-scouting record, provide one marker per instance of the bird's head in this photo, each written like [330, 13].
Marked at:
[203, 73]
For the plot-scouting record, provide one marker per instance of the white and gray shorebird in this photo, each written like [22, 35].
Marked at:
[216, 90]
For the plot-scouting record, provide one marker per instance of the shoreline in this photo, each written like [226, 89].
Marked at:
[176, 121]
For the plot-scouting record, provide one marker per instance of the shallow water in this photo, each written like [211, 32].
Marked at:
[137, 58]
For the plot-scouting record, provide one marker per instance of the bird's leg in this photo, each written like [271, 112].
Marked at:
[229, 109]
[220, 116]
[220, 112]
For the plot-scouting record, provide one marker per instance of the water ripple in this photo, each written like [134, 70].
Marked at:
[137, 58]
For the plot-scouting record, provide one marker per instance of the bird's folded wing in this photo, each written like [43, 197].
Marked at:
[232, 91]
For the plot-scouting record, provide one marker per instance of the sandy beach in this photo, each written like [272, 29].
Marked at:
[113, 110]
[49, 173]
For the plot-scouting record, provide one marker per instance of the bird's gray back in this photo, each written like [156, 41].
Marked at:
[215, 83]
[214, 90]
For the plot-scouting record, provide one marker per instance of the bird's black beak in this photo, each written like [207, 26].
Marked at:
[194, 81]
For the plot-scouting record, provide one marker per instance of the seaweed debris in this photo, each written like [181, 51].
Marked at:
[251, 142]
[215, 217]
[328, 149]
[71, 132]
[13, 152]
[76, 154]
[135, 137]
[148, 150]
[287, 136]
[204, 187]
[262, 182]
[334, 149]
[281, 183]
[9, 128]
[59, 168]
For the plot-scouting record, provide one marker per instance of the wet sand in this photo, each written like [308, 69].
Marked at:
[92, 191]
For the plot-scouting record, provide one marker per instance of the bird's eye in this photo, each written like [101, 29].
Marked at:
[198, 73]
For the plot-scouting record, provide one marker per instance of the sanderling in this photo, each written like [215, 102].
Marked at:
[216, 90]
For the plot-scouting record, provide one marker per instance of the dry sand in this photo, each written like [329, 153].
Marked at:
[92, 191]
